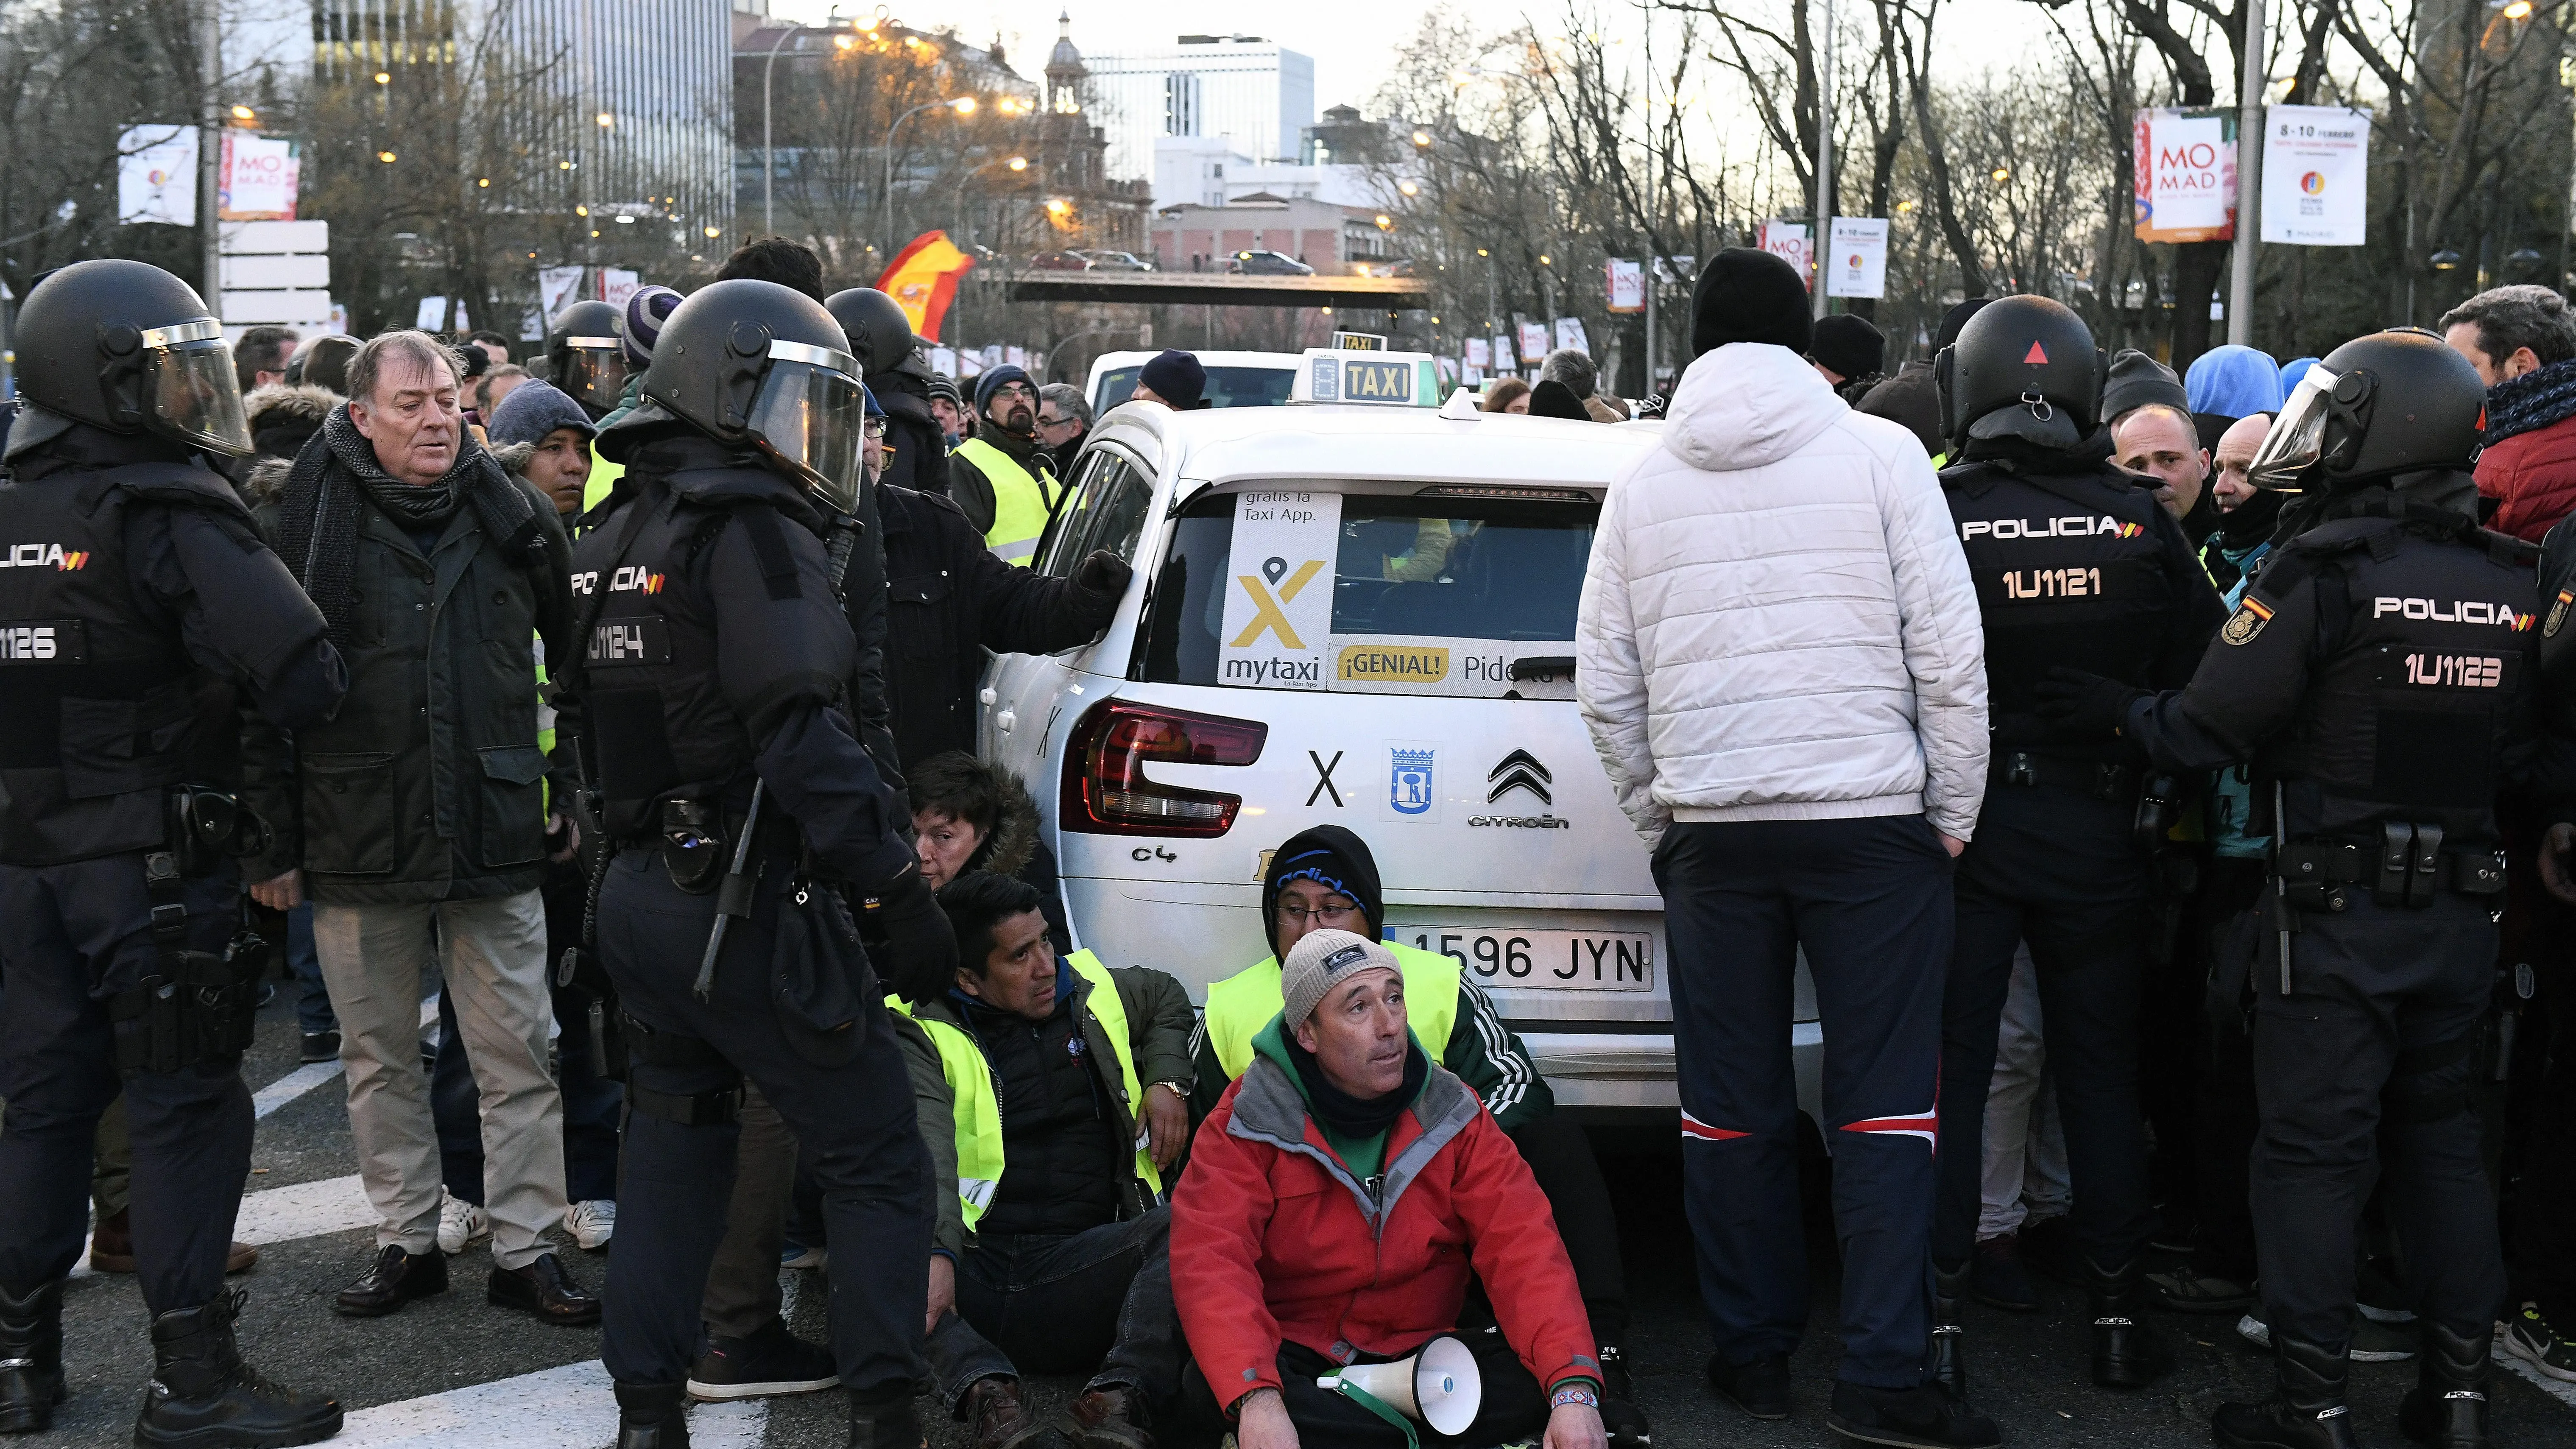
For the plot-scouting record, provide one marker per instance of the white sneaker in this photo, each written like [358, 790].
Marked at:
[593, 1223]
[460, 1223]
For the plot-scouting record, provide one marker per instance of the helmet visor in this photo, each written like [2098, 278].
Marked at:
[2298, 436]
[196, 395]
[593, 372]
[808, 415]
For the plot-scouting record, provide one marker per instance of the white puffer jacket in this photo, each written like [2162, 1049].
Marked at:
[1777, 622]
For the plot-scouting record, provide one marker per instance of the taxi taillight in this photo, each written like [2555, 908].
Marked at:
[1105, 789]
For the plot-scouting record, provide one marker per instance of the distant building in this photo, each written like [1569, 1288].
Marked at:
[1253, 92]
[636, 96]
[1334, 240]
[1343, 159]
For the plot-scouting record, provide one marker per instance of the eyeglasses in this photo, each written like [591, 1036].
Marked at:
[876, 427]
[1047, 422]
[1299, 915]
[1014, 389]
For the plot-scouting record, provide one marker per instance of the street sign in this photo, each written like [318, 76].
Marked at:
[2316, 175]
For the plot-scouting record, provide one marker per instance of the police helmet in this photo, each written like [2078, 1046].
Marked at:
[586, 356]
[2391, 402]
[323, 362]
[747, 361]
[880, 334]
[127, 347]
[2023, 367]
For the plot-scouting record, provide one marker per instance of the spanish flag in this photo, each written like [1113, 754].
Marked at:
[923, 278]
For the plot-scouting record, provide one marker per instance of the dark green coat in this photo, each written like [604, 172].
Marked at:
[428, 783]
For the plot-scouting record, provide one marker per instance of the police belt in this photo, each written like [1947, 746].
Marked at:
[697, 839]
[2404, 865]
[2098, 778]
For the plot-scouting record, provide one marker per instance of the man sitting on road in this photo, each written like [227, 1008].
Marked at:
[1054, 1093]
[1337, 1201]
[1326, 877]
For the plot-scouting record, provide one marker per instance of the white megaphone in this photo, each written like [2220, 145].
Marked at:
[1439, 1385]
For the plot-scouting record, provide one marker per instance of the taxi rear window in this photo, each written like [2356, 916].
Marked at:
[1227, 387]
[1428, 596]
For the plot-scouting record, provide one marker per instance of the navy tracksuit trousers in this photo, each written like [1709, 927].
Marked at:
[1869, 900]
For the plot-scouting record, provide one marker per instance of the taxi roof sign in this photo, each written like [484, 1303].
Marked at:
[1374, 379]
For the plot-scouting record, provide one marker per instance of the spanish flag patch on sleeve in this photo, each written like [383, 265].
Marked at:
[2248, 620]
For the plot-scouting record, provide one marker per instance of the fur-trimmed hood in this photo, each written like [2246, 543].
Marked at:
[513, 457]
[1015, 835]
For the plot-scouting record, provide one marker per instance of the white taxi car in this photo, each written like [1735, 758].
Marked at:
[1353, 609]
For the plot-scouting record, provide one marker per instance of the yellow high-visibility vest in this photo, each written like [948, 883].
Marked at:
[1022, 502]
[1242, 1004]
[976, 1101]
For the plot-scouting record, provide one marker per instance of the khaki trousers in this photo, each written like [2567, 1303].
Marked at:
[374, 959]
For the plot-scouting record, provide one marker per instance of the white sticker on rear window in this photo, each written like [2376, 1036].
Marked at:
[1277, 630]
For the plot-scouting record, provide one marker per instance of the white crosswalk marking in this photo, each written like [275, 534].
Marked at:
[568, 1406]
[291, 1086]
[304, 1210]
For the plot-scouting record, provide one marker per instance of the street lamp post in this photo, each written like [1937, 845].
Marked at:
[962, 105]
[768, 153]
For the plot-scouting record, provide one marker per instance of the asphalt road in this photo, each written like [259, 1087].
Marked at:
[454, 1373]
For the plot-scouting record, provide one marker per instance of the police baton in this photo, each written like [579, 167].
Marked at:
[733, 898]
[2281, 916]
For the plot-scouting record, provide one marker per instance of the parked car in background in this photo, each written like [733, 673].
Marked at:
[1234, 379]
[1267, 264]
[1112, 261]
[1064, 261]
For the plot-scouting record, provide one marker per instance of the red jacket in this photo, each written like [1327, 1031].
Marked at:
[2534, 473]
[1272, 1238]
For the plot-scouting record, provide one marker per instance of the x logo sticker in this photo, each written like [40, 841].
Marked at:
[1265, 612]
[1324, 777]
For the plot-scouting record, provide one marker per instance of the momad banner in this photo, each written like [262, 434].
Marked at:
[2186, 174]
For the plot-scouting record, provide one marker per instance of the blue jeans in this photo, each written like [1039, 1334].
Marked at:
[313, 1000]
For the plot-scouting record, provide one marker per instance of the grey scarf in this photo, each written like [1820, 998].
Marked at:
[319, 512]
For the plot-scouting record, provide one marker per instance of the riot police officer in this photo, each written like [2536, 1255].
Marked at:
[2074, 562]
[2380, 674]
[712, 712]
[131, 564]
[916, 450]
[586, 356]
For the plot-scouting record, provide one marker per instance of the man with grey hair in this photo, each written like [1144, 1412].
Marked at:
[1064, 420]
[2522, 341]
[418, 812]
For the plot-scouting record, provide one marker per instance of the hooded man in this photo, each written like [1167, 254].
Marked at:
[1325, 877]
[1002, 477]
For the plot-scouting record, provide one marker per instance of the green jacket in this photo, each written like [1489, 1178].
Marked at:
[428, 783]
[1158, 1036]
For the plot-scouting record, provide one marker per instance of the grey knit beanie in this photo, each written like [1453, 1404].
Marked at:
[1322, 960]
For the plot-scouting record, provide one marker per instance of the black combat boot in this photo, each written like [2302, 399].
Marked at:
[202, 1396]
[1949, 1361]
[2127, 1354]
[31, 1357]
[2447, 1408]
[2306, 1410]
[885, 1420]
[652, 1416]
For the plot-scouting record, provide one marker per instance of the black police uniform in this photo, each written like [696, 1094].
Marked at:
[719, 656]
[130, 565]
[2075, 564]
[2379, 673]
[2540, 1231]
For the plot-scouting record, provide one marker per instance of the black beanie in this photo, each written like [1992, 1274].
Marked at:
[2137, 380]
[1956, 318]
[1338, 859]
[1553, 399]
[1747, 295]
[1849, 346]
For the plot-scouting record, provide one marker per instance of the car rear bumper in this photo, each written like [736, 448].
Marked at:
[1619, 1072]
